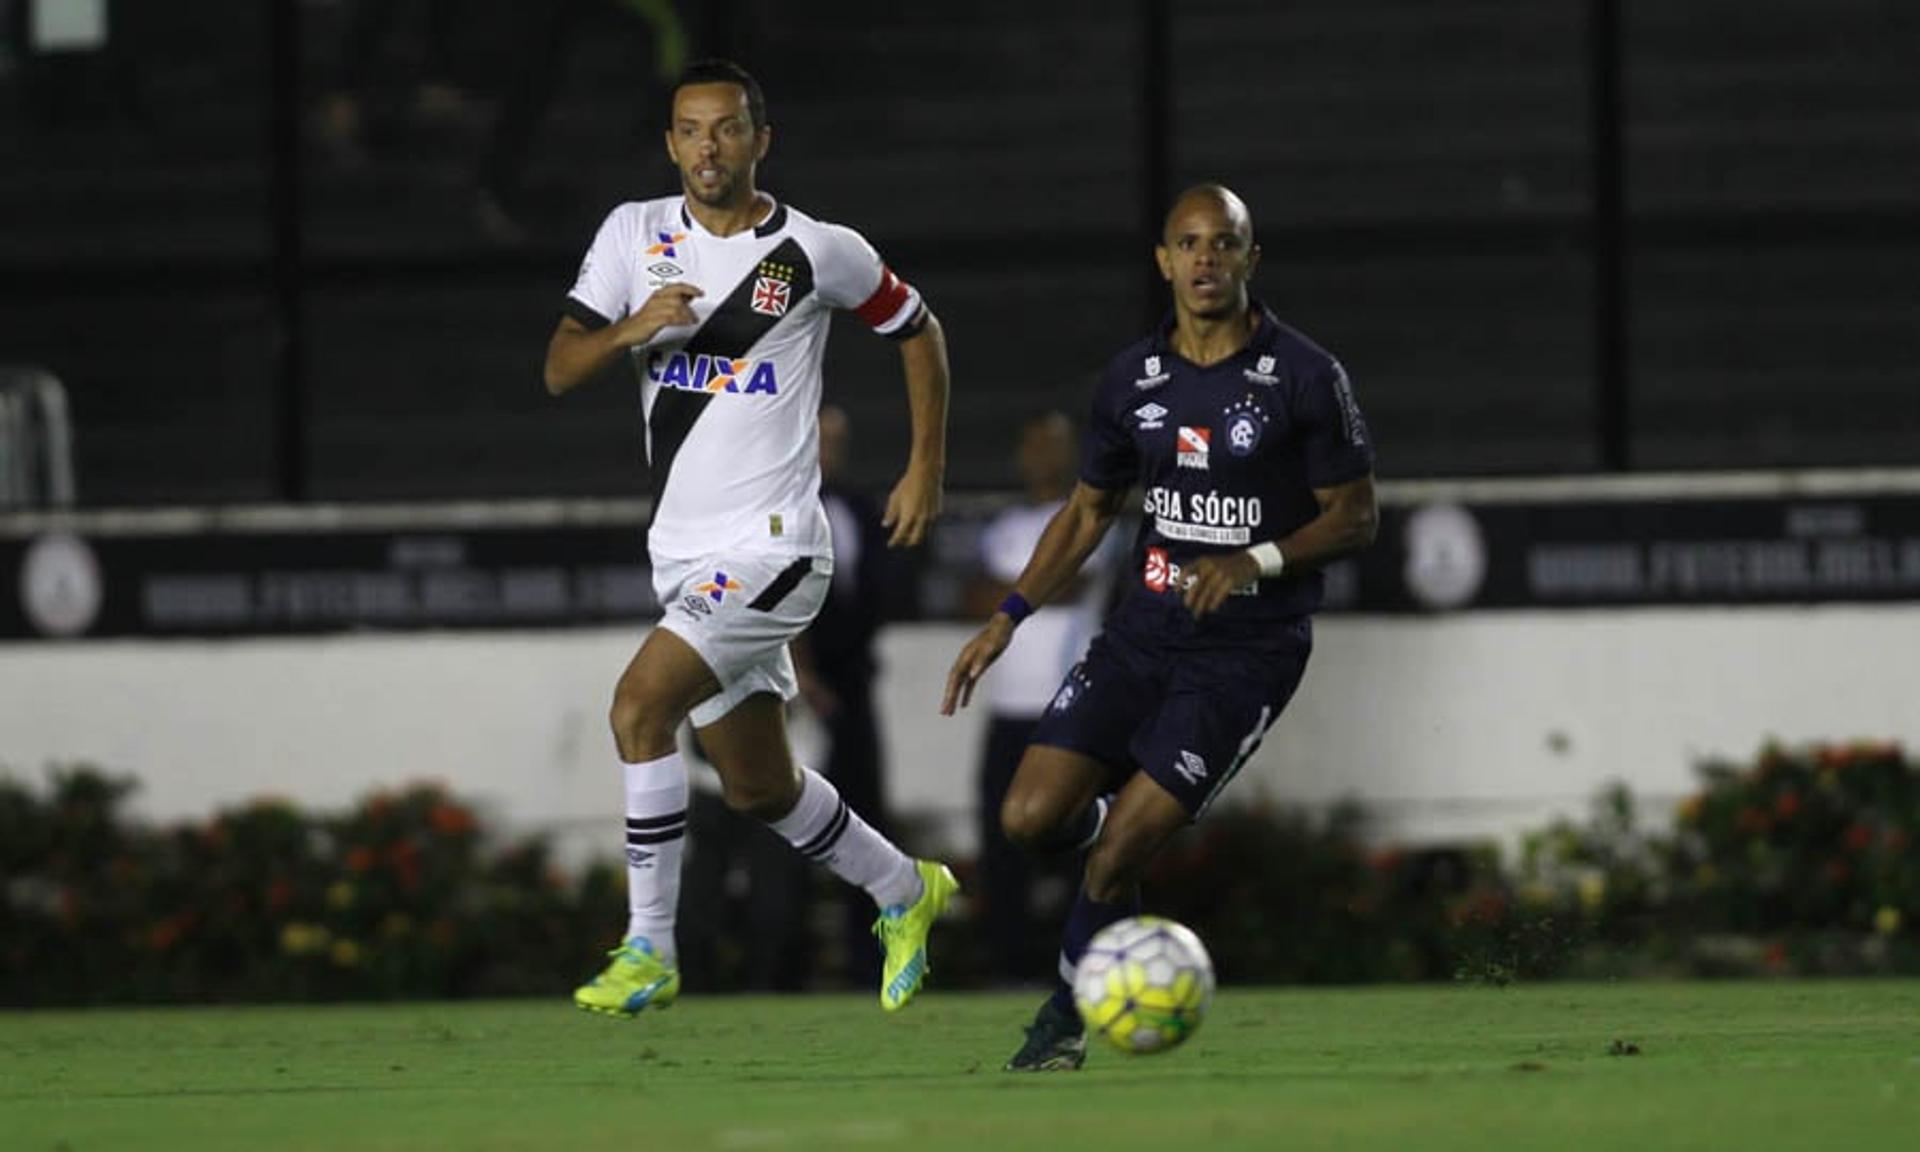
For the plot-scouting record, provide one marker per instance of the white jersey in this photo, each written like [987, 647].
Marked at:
[1024, 680]
[731, 403]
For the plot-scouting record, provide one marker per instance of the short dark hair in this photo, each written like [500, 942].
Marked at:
[714, 70]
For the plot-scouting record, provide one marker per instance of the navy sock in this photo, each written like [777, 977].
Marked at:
[1084, 921]
[1083, 830]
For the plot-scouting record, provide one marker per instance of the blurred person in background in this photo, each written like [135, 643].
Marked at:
[836, 661]
[1024, 681]
[543, 33]
[721, 298]
[1257, 469]
[393, 68]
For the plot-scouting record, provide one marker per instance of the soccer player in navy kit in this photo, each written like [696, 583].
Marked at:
[1257, 469]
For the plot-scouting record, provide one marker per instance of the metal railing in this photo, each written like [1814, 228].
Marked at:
[36, 440]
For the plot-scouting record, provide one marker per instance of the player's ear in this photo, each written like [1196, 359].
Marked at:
[762, 140]
[1165, 262]
[1253, 259]
[673, 154]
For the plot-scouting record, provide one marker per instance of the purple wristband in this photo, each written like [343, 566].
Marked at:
[1016, 607]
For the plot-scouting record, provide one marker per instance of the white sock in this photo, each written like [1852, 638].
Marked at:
[656, 836]
[825, 829]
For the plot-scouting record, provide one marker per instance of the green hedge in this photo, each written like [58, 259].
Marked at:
[1802, 861]
[397, 897]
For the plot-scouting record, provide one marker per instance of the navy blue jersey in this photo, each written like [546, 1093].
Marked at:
[1226, 456]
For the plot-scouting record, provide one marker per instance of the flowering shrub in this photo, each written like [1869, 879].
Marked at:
[398, 896]
[1803, 861]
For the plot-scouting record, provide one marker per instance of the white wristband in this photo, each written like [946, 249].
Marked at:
[1267, 555]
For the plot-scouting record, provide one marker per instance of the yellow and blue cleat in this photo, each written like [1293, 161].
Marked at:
[636, 980]
[903, 930]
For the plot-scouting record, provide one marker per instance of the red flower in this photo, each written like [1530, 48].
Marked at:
[405, 860]
[1859, 837]
[450, 819]
[279, 895]
[360, 858]
[1786, 805]
[167, 933]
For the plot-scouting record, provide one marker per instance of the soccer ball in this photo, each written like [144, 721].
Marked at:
[1144, 984]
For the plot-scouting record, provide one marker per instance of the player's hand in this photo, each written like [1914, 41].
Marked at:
[912, 507]
[1212, 579]
[974, 660]
[670, 305]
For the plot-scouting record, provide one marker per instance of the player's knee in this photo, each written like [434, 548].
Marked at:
[765, 796]
[642, 729]
[1029, 821]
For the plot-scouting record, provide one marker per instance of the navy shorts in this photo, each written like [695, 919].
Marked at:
[1187, 718]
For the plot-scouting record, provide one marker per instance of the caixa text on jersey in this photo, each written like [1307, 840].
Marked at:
[704, 373]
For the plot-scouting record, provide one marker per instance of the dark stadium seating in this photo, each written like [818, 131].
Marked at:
[1421, 174]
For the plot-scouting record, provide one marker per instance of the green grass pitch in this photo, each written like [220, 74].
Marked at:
[1718, 1066]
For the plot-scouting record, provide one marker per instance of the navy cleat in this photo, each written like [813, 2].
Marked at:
[1056, 1042]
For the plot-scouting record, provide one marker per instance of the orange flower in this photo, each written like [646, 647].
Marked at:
[1834, 756]
[450, 819]
[167, 933]
[405, 861]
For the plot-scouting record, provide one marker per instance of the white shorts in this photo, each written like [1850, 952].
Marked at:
[738, 613]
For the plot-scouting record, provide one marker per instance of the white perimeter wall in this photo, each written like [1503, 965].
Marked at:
[1469, 725]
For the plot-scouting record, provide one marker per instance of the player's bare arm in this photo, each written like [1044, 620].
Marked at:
[576, 352]
[1070, 537]
[1349, 516]
[915, 501]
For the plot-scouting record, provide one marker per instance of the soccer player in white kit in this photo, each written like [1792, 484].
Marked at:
[722, 298]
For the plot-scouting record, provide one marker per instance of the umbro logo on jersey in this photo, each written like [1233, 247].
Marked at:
[1262, 371]
[665, 246]
[705, 373]
[1150, 416]
[696, 605]
[1192, 767]
[639, 858]
[1190, 451]
[665, 270]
